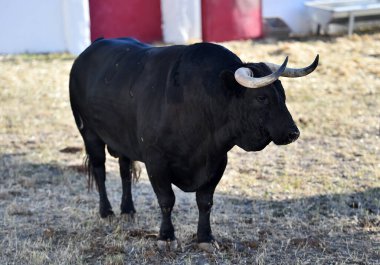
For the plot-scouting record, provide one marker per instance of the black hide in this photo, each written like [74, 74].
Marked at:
[179, 110]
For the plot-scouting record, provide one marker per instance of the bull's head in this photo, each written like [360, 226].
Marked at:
[261, 109]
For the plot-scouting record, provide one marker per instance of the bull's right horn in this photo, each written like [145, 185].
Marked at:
[244, 76]
[295, 72]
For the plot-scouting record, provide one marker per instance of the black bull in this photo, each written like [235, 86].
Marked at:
[178, 109]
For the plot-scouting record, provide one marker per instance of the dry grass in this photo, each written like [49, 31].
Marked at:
[316, 201]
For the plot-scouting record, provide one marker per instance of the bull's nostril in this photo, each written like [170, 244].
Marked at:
[294, 135]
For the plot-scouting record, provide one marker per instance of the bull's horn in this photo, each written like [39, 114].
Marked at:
[293, 72]
[244, 76]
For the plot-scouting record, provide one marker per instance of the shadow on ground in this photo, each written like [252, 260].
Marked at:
[48, 204]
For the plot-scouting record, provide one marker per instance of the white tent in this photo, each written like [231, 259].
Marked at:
[36, 26]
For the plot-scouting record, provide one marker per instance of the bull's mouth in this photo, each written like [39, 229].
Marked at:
[261, 137]
[255, 140]
[261, 140]
[264, 139]
[264, 133]
[289, 138]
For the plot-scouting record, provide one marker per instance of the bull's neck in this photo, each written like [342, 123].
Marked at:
[224, 131]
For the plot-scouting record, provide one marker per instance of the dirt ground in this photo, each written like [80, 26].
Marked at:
[316, 201]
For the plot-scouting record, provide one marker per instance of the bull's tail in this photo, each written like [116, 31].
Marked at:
[90, 172]
[135, 171]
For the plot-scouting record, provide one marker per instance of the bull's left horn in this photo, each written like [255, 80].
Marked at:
[295, 72]
[244, 76]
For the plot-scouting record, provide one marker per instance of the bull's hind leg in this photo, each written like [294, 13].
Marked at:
[126, 206]
[95, 149]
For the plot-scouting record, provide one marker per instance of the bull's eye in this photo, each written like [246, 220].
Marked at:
[262, 99]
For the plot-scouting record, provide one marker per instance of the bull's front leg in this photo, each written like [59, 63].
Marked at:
[205, 238]
[166, 200]
[204, 199]
[160, 180]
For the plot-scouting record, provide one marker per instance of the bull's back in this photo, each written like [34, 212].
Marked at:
[98, 59]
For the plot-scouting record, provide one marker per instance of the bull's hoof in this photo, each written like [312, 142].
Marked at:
[106, 213]
[210, 247]
[127, 209]
[128, 217]
[169, 245]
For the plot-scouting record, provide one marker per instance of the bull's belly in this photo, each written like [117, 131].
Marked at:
[189, 180]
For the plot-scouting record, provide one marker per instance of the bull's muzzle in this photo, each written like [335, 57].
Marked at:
[293, 136]
[287, 137]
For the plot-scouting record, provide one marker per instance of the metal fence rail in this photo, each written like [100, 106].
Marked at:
[324, 13]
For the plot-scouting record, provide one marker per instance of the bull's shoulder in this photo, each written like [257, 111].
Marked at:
[211, 53]
[205, 47]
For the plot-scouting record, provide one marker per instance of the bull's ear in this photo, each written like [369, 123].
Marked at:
[230, 84]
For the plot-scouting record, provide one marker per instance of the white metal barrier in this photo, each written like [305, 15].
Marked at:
[325, 12]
